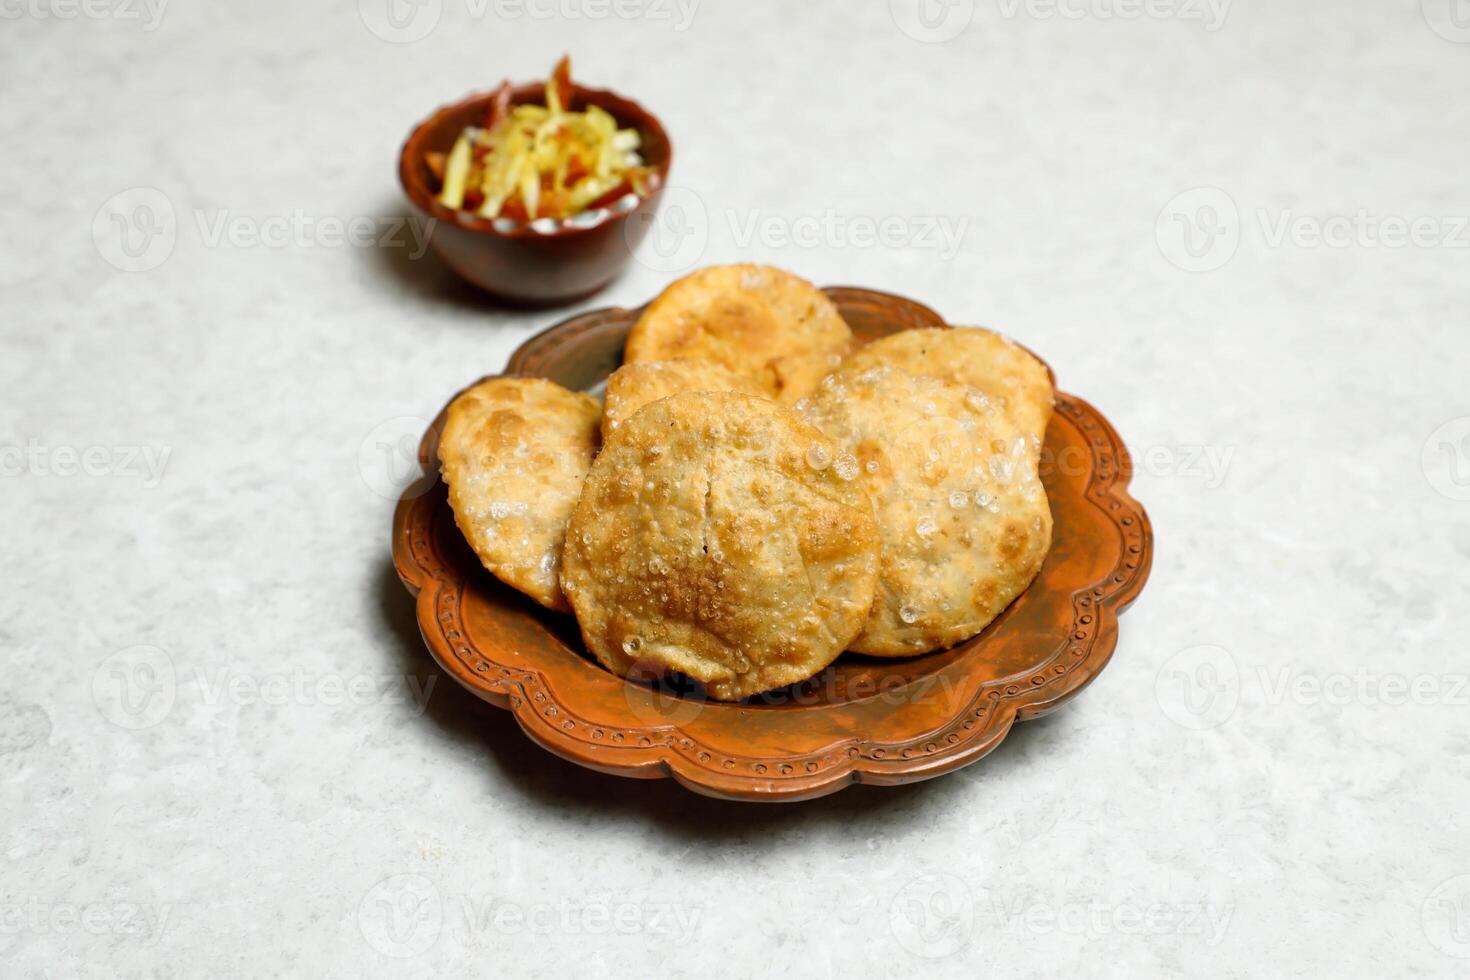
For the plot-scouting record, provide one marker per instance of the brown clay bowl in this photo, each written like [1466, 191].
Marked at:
[532, 265]
[863, 719]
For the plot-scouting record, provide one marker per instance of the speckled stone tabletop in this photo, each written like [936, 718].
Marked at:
[1238, 228]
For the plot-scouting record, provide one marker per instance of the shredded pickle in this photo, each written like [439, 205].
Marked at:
[542, 161]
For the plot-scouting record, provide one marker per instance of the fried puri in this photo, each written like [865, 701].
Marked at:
[514, 453]
[764, 324]
[715, 537]
[961, 510]
[634, 385]
[993, 364]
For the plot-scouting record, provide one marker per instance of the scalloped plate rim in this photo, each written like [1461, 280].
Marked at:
[661, 758]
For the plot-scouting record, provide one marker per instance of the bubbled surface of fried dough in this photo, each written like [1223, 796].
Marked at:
[983, 359]
[514, 453]
[962, 514]
[764, 324]
[634, 385]
[707, 542]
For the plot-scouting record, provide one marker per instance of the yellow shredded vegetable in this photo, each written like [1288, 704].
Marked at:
[542, 161]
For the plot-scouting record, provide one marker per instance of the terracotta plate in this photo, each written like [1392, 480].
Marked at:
[863, 719]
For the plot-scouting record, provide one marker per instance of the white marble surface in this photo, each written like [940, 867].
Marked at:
[284, 788]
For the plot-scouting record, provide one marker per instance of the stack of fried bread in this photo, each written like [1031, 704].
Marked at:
[754, 497]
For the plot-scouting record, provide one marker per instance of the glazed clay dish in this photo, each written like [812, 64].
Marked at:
[533, 263]
[771, 577]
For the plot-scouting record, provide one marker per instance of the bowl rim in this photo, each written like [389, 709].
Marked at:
[420, 197]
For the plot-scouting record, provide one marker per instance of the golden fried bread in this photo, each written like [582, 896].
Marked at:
[634, 385]
[769, 326]
[973, 356]
[716, 538]
[514, 452]
[962, 514]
